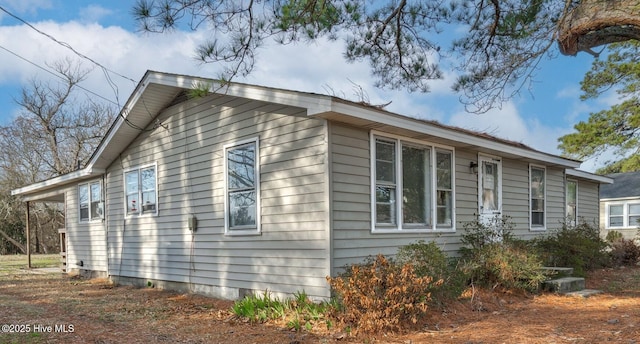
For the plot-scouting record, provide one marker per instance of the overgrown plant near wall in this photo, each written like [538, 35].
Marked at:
[577, 246]
[429, 260]
[296, 313]
[492, 257]
[381, 296]
[623, 252]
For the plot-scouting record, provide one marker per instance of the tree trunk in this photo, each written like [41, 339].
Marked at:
[592, 23]
[13, 241]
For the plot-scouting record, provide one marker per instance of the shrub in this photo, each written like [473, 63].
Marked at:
[505, 265]
[624, 252]
[380, 295]
[493, 257]
[578, 246]
[429, 260]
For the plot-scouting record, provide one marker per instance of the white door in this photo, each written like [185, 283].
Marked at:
[489, 188]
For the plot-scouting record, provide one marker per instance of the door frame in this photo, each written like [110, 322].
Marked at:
[485, 217]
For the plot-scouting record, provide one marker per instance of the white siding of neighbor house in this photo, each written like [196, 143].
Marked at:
[86, 241]
[630, 232]
[352, 238]
[292, 251]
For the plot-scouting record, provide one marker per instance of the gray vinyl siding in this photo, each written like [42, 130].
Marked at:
[556, 198]
[291, 252]
[515, 195]
[588, 202]
[86, 241]
[353, 240]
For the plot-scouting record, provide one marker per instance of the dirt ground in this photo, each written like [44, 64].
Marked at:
[76, 310]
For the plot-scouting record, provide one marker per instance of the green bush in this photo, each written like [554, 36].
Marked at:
[429, 260]
[493, 257]
[577, 246]
[380, 295]
[299, 312]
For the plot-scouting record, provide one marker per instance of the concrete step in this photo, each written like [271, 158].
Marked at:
[584, 293]
[564, 285]
[557, 271]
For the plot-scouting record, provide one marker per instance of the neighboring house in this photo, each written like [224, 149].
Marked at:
[253, 188]
[620, 204]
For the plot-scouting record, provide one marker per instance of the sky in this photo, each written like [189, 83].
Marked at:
[105, 31]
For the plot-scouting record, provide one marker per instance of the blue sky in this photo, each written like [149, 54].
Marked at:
[106, 32]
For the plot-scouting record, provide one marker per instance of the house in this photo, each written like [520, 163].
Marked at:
[620, 205]
[252, 188]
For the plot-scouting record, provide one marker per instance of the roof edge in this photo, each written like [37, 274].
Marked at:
[57, 181]
[589, 176]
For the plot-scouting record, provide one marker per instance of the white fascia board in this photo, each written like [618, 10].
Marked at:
[589, 176]
[57, 181]
[620, 199]
[449, 134]
[117, 124]
[314, 103]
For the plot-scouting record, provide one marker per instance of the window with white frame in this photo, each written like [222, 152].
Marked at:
[616, 215]
[90, 201]
[419, 175]
[633, 215]
[623, 215]
[141, 191]
[572, 201]
[538, 196]
[242, 187]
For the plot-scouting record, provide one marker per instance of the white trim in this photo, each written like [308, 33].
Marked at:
[625, 214]
[538, 228]
[243, 230]
[566, 199]
[589, 176]
[452, 134]
[102, 201]
[60, 180]
[124, 191]
[498, 160]
[399, 226]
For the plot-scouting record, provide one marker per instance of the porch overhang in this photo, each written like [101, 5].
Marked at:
[49, 190]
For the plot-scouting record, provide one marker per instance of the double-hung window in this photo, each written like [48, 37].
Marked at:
[413, 185]
[623, 215]
[572, 201]
[537, 184]
[141, 191]
[242, 188]
[90, 201]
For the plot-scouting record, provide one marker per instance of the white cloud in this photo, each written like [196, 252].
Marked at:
[507, 123]
[93, 13]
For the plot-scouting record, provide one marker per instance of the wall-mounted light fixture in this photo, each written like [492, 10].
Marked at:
[473, 167]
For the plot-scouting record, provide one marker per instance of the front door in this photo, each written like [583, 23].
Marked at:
[489, 188]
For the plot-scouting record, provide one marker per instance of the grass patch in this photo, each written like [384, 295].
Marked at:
[298, 312]
[15, 262]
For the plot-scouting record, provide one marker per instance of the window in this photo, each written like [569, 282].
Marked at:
[572, 201]
[242, 192]
[623, 215]
[420, 176]
[634, 215]
[537, 204]
[90, 201]
[616, 215]
[141, 191]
